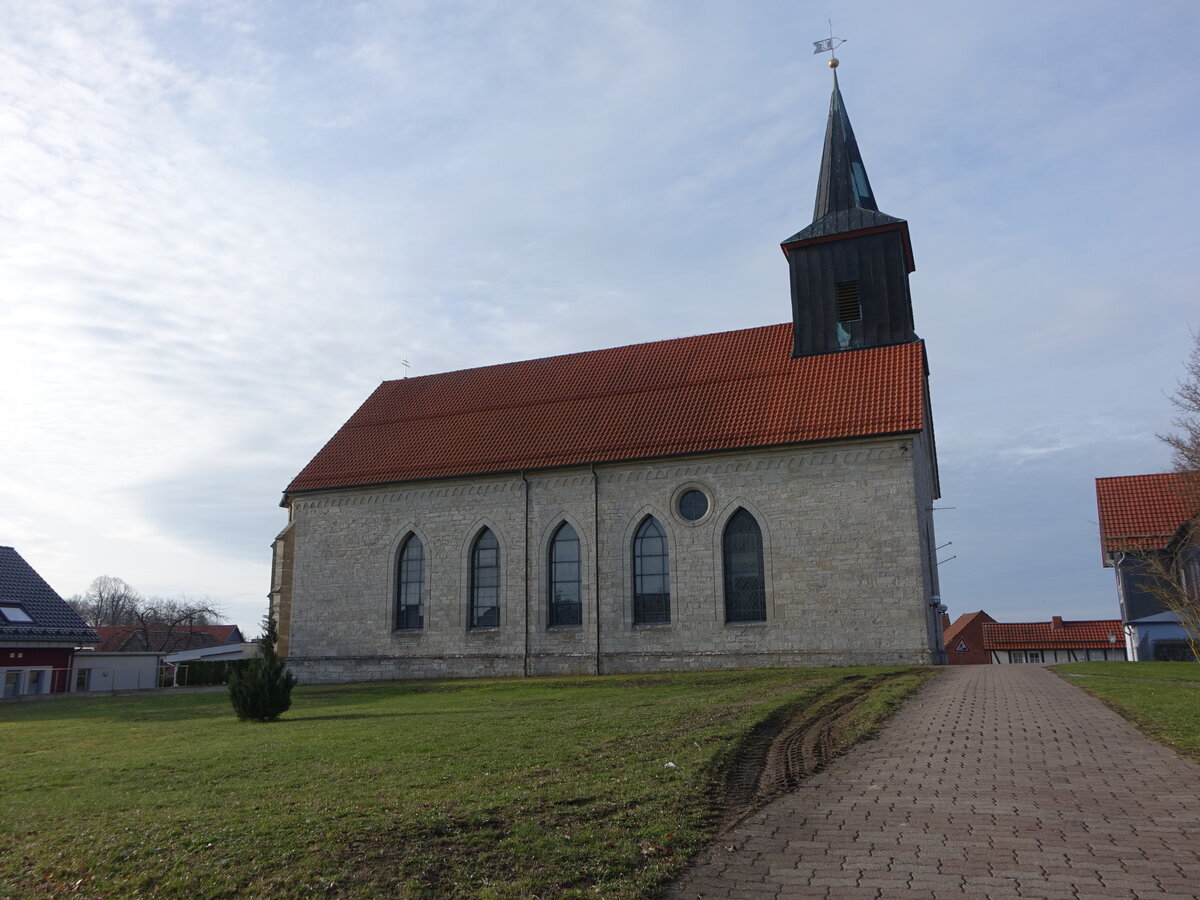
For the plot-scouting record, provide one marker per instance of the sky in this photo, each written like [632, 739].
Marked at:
[222, 224]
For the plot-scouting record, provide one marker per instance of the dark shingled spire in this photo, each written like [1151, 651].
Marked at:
[843, 183]
[845, 201]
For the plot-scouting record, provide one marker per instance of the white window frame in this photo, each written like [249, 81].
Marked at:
[44, 686]
[23, 679]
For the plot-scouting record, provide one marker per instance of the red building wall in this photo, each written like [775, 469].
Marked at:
[58, 658]
[964, 640]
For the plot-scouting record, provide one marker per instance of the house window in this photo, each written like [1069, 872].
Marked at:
[1191, 573]
[651, 575]
[1034, 656]
[565, 606]
[1016, 656]
[13, 613]
[36, 683]
[485, 581]
[742, 554]
[409, 583]
[81, 679]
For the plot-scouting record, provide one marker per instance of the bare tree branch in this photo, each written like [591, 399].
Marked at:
[1173, 576]
[108, 601]
[1185, 440]
[162, 623]
[165, 623]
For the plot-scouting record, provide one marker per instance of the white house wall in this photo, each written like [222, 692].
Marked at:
[1094, 654]
[117, 671]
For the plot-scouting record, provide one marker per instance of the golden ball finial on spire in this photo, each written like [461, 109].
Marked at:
[833, 63]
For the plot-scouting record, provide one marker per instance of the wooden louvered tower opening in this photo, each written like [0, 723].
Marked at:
[848, 307]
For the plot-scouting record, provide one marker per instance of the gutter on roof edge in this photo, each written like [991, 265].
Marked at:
[287, 495]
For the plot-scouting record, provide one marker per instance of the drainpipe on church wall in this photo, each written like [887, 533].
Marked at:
[596, 557]
[525, 552]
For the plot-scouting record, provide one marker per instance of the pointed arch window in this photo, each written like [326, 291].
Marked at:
[742, 554]
[485, 581]
[566, 608]
[651, 575]
[410, 579]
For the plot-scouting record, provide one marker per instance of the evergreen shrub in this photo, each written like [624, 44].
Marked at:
[262, 691]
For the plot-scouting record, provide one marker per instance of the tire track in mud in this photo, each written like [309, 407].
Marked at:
[791, 744]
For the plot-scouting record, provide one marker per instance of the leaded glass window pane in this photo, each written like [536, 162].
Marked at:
[693, 505]
[651, 576]
[485, 581]
[745, 593]
[409, 584]
[566, 607]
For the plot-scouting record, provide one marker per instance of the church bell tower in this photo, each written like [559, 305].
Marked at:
[850, 267]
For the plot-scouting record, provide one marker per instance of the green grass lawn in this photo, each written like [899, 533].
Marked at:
[1161, 698]
[522, 788]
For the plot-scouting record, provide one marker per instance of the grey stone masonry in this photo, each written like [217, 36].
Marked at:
[848, 566]
[994, 782]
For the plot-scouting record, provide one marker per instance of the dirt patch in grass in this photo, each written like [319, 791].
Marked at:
[799, 739]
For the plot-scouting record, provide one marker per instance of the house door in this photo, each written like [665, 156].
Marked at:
[12, 682]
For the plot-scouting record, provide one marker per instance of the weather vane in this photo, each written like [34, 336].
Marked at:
[829, 45]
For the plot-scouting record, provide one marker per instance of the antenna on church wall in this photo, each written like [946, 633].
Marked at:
[829, 45]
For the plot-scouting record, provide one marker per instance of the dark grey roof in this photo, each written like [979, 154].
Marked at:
[842, 221]
[53, 619]
[845, 201]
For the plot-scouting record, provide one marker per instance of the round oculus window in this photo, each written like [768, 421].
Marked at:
[693, 505]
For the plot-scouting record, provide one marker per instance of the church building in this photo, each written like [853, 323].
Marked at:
[760, 497]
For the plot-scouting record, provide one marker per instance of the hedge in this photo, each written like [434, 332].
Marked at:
[214, 671]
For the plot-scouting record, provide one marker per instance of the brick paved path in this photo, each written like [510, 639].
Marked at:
[994, 781]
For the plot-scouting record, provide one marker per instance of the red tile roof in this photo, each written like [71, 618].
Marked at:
[114, 638]
[733, 390]
[950, 632]
[1045, 636]
[1142, 512]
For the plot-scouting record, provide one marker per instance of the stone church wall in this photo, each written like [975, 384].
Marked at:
[846, 558]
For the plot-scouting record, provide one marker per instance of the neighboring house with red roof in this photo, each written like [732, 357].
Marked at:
[1143, 517]
[39, 632]
[964, 640]
[754, 497]
[120, 662]
[1055, 641]
[134, 639]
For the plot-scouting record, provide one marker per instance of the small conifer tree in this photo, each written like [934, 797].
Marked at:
[262, 692]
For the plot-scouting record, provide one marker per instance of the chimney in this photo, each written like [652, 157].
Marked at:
[1056, 623]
